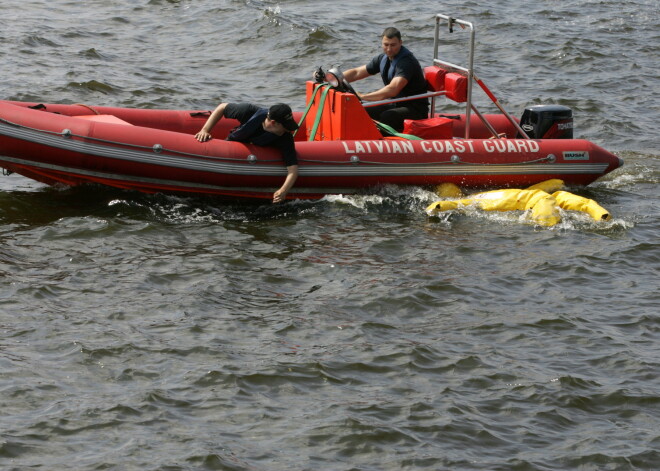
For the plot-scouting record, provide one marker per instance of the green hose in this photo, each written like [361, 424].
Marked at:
[319, 113]
[309, 105]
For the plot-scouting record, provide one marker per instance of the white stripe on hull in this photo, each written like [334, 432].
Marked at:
[219, 166]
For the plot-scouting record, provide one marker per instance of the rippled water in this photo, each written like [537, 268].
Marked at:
[159, 332]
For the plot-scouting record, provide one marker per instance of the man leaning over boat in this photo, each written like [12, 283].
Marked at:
[262, 127]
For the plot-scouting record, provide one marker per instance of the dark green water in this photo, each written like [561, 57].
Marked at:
[353, 333]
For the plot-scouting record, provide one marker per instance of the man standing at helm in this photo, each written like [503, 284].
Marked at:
[402, 76]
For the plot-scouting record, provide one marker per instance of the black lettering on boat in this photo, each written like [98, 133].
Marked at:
[576, 155]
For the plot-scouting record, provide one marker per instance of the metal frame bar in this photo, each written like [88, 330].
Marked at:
[500, 107]
[471, 76]
[485, 121]
[467, 71]
[369, 104]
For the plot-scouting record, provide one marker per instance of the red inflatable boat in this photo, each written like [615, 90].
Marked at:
[340, 149]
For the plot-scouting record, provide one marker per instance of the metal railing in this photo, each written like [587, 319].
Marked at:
[432, 95]
[468, 72]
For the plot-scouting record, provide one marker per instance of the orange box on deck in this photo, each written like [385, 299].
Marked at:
[431, 128]
[343, 118]
[456, 86]
[435, 78]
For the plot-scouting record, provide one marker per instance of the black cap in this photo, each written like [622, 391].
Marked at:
[282, 114]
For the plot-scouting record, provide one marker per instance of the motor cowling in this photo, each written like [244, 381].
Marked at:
[548, 122]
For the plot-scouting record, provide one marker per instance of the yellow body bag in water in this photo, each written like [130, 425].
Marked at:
[567, 200]
[544, 206]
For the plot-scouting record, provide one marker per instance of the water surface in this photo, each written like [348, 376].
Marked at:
[171, 333]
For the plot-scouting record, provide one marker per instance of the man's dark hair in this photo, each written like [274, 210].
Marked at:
[391, 32]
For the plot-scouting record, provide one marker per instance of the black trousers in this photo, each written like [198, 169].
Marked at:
[394, 114]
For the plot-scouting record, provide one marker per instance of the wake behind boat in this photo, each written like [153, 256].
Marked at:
[340, 149]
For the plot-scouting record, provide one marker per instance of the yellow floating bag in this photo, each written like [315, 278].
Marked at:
[500, 200]
[546, 212]
[448, 190]
[573, 202]
[544, 207]
[549, 186]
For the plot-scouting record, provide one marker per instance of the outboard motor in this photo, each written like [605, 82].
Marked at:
[548, 122]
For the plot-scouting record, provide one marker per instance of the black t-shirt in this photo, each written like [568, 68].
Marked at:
[244, 111]
[407, 67]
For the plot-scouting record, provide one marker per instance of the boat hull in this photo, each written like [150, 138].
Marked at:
[155, 151]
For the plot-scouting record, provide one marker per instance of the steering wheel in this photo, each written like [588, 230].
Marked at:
[336, 79]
